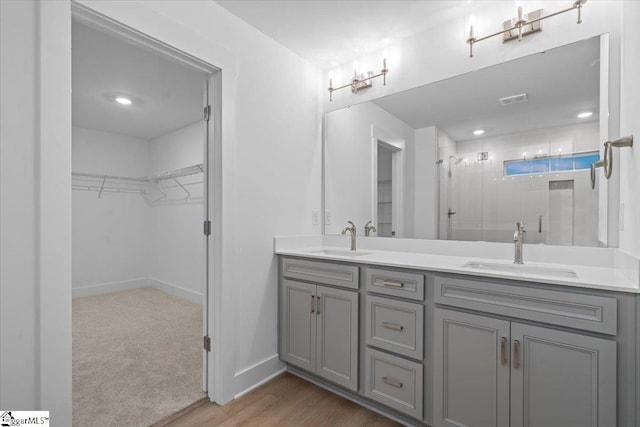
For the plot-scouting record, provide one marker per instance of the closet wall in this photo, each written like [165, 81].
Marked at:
[111, 234]
[123, 241]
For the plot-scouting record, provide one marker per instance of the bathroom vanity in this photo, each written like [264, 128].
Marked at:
[430, 340]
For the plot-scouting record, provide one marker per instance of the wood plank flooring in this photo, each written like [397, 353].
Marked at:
[284, 401]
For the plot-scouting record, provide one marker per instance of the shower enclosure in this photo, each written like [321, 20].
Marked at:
[538, 177]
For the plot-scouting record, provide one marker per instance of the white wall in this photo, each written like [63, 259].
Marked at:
[19, 359]
[112, 235]
[177, 238]
[35, 211]
[349, 161]
[630, 125]
[426, 183]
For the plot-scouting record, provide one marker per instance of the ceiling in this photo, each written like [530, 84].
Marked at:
[167, 94]
[324, 32]
[560, 83]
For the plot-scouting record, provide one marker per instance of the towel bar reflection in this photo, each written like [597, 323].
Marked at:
[607, 162]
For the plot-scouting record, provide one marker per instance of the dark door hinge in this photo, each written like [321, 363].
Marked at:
[207, 343]
[207, 228]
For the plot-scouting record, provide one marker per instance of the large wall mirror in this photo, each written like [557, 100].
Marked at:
[466, 157]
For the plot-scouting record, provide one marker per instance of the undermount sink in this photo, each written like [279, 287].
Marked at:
[340, 252]
[521, 269]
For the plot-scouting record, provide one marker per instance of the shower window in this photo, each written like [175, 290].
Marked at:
[546, 164]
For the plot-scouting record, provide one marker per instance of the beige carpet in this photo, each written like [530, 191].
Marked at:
[137, 357]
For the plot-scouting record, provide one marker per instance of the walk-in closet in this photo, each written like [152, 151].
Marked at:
[139, 270]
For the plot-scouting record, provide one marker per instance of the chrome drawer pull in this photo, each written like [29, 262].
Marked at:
[392, 326]
[392, 382]
[393, 284]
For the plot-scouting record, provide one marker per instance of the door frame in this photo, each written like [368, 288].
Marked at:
[217, 377]
[397, 145]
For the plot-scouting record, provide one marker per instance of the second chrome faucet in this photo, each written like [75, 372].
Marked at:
[518, 239]
[352, 230]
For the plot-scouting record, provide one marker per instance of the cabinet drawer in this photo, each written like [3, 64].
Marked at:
[586, 312]
[395, 326]
[404, 285]
[394, 381]
[320, 272]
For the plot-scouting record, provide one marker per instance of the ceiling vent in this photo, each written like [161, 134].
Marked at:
[515, 99]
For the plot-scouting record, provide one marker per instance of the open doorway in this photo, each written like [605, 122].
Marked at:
[388, 184]
[140, 263]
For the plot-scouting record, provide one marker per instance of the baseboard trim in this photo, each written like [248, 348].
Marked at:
[109, 287]
[143, 282]
[257, 374]
[178, 291]
[354, 398]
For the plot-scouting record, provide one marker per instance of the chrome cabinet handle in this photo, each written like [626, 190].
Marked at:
[392, 326]
[503, 350]
[516, 354]
[393, 284]
[540, 224]
[318, 305]
[392, 382]
[313, 299]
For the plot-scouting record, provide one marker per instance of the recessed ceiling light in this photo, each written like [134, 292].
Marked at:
[478, 131]
[585, 115]
[124, 101]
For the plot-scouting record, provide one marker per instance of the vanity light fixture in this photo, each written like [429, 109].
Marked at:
[585, 115]
[522, 25]
[360, 81]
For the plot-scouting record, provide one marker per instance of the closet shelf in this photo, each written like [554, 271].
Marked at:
[155, 188]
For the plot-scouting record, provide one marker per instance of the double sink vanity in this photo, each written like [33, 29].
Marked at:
[443, 340]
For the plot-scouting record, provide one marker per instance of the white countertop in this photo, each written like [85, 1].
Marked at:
[599, 277]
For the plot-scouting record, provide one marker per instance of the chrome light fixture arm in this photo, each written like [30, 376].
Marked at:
[520, 23]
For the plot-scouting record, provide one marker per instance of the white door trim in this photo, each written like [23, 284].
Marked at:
[142, 24]
[396, 144]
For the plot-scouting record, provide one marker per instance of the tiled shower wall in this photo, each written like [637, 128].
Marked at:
[488, 203]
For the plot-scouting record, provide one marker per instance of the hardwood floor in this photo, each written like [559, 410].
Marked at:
[284, 401]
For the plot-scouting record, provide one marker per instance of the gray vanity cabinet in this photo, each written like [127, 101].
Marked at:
[298, 324]
[562, 379]
[492, 372]
[471, 371]
[319, 331]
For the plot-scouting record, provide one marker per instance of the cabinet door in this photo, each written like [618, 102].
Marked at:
[471, 370]
[298, 324]
[562, 379]
[337, 336]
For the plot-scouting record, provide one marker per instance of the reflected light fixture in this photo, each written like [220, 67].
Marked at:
[360, 81]
[522, 25]
[478, 131]
[585, 115]
[123, 100]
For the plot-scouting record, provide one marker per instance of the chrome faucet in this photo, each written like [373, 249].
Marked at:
[518, 238]
[368, 229]
[352, 230]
